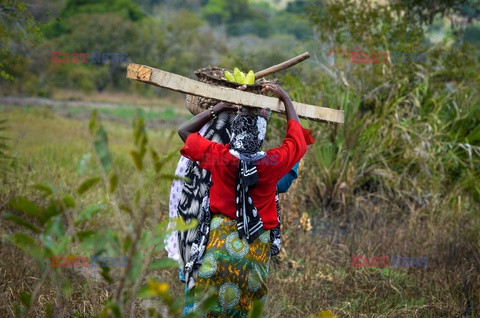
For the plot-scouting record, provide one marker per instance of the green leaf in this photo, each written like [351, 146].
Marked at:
[142, 144]
[93, 122]
[67, 287]
[159, 165]
[325, 314]
[138, 196]
[113, 182]
[136, 267]
[68, 200]
[111, 307]
[171, 177]
[106, 274]
[154, 289]
[26, 206]
[101, 148]
[83, 163]
[27, 244]
[114, 241]
[116, 310]
[152, 312]
[146, 238]
[163, 263]
[55, 227]
[49, 310]
[127, 243]
[250, 78]
[125, 208]
[181, 225]
[146, 293]
[19, 311]
[229, 76]
[87, 184]
[156, 160]
[94, 241]
[257, 310]
[62, 245]
[161, 231]
[105, 312]
[25, 298]
[46, 188]
[54, 208]
[238, 75]
[208, 303]
[88, 213]
[83, 235]
[139, 130]
[474, 136]
[18, 220]
[137, 160]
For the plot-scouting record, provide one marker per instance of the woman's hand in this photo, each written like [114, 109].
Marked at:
[275, 89]
[278, 91]
[196, 123]
[222, 106]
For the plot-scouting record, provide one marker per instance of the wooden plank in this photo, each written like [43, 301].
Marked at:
[149, 75]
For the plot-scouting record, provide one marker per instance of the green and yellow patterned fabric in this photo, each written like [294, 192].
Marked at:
[236, 270]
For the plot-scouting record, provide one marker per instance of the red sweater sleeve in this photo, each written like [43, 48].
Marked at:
[292, 148]
[202, 150]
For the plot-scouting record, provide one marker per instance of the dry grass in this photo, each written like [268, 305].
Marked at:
[316, 273]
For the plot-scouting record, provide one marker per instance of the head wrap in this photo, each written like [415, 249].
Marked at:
[248, 130]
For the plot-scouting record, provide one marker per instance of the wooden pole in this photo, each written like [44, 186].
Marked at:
[282, 66]
[150, 75]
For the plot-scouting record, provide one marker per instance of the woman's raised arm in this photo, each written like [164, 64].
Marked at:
[196, 123]
[278, 91]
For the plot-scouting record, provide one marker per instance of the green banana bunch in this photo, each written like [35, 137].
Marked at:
[240, 77]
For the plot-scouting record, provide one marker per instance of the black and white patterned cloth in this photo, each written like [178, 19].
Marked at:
[249, 222]
[192, 198]
[275, 237]
[198, 245]
[248, 135]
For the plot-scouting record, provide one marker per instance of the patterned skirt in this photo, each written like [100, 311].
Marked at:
[235, 270]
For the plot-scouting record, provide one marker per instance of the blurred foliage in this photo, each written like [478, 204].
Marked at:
[4, 156]
[150, 33]
[222, 33]
[424, 12]
[18, 34]
[126, 9]
[223, 11]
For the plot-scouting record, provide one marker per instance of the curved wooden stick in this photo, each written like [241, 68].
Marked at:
[282, 66]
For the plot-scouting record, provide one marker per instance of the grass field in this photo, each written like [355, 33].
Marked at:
[312, 274]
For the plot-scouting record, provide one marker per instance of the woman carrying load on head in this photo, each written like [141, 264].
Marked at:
[232, 248]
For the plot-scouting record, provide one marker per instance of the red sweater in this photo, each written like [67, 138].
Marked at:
[223, 166]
